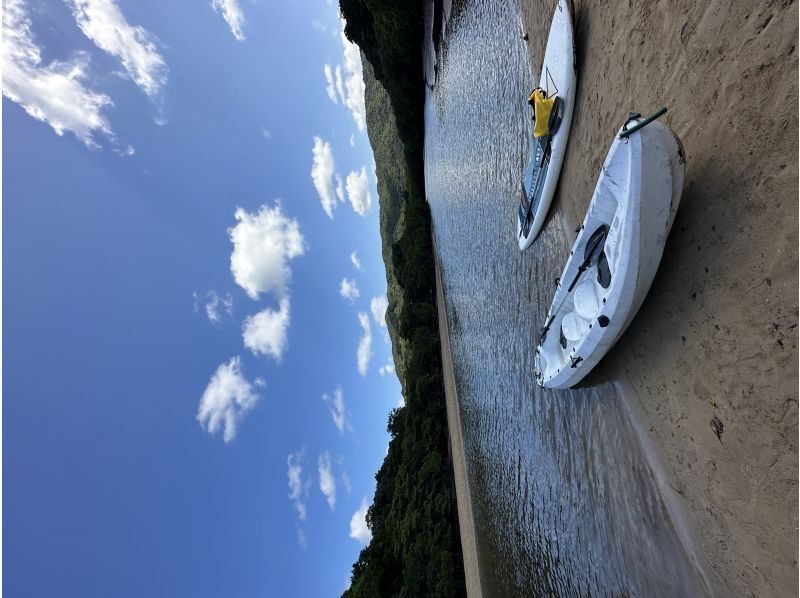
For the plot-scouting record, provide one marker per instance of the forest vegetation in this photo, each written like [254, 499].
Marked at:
[415, 548]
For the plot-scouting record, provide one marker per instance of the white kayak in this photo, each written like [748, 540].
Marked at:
[545, 155]
[616, 255]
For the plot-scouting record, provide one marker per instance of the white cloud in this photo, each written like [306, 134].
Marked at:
[232, 14]
[386, 369]
[401, 402]
[340, 83]
[301, 538]
[327, 483]
[355, 260]
[54, 94]
[103, 22]
[338, 411]
[346, 482]
[322, 174]
[364, 352]
[216, 305]
[298, 488]
[358, 524]
[353, 140]
[349, 290]
[353, 82]
[263, 244]
[339, 188]
[260, 382]
[266, 133]
[226, 400]
[358, 191]
[329, 83]
[265, 332]
[378, 306]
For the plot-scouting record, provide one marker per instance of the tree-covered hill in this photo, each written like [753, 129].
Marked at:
[415, 548]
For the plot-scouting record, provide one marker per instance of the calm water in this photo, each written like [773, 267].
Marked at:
[564, 500]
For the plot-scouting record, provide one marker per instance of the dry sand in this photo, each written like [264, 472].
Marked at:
[717, 334]
[466, 521]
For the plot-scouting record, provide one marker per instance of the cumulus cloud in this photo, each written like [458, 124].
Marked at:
[386, 369]
[263, 245]
[358, 524]
[327, 483]
[266, 132]
[54, 93]
[364, 352]
[265, 332]
[345, 83]
[351, 82]
[349, 290]
[232, 14]
[355, 260]
[358, 191]
[216, 305]
[226, 400]
[298, 487]
[322, 169]
[103, 22]
[330, 86]
[378, 306]
[338, 411]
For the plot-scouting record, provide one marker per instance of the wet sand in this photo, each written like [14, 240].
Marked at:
[717, 334]
[466, 521]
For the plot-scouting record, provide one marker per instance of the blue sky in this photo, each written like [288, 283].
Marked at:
[195, 387]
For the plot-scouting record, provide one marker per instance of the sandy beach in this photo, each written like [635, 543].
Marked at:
[466, 520]
[717, 334]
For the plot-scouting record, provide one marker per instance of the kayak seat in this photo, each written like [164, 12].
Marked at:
[574, 327]
[587, 299]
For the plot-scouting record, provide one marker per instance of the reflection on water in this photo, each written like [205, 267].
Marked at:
[564, 500]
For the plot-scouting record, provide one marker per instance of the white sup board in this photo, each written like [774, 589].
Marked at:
[544, 162]
[615, 257]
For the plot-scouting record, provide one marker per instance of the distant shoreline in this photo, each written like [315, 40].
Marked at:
[466, 521]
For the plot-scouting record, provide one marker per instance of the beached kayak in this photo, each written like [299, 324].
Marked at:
[548, 141]
[615, 257]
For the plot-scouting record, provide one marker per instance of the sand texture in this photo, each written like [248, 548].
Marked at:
[466, 521]
[717, 334]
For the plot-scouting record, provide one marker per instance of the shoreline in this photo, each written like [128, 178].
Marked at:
[668, 488]
[466, 521]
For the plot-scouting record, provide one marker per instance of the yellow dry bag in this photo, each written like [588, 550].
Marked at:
[542, 108]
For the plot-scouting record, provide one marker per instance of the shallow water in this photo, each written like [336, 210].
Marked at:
[564, 500]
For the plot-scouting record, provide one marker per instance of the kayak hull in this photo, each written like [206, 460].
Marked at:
[636, 197]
